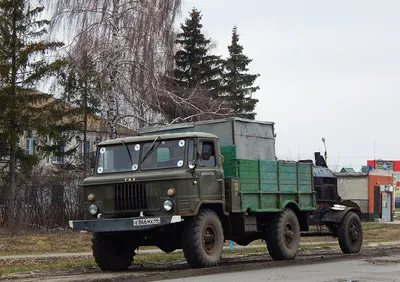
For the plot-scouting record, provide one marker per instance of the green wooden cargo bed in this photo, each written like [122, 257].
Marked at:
[268, 186]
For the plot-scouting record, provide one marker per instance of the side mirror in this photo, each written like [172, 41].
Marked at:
[222, 158]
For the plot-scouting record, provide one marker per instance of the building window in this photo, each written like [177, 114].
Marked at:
[29, 146]
[81, 148]
[59, 159]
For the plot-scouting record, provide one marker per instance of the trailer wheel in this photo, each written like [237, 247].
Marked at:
[350, 235]
[203, 240]
[111, 252]
[283, 236]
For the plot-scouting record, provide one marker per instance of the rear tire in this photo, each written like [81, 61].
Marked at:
[203, 240]
[283, 236]
[350, 234]
[112, 252]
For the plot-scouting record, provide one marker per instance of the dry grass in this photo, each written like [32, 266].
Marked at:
[25, 265]
[381, 232]
[66, 242]
[373, 233]
[76, 242]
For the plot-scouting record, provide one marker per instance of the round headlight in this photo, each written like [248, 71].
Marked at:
[93, 209]
[192, 164]
[167, 205]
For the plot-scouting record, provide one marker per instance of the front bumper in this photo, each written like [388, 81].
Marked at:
[123, 224]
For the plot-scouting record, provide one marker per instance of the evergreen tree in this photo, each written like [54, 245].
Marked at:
[194, 66]
[21, 66]
[238, 84]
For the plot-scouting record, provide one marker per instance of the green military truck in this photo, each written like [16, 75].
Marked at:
[193, 186]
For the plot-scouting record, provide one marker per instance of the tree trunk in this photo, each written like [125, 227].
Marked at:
[112, 104]
[11, 194]
[13, 135]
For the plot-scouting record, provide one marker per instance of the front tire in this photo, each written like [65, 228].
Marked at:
[283, 236]
[112, 252]
[350, 235]
[203, 240]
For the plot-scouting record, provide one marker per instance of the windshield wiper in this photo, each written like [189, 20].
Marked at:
[151, 149]
[129, 153]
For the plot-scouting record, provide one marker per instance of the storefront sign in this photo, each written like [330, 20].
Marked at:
[385, 165]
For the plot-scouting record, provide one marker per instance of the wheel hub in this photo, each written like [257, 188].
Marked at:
[209, 239]
[288, 234]
[354, 232]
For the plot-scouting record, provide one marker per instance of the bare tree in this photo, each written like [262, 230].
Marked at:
[179, 104]
[131, 41]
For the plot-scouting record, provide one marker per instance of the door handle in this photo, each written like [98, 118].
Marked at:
[219, 180]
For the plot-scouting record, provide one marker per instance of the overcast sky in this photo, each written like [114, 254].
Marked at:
[328, 69]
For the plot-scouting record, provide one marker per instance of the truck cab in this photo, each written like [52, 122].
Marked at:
[156, 175]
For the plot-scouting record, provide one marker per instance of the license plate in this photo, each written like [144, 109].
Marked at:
[146, 221]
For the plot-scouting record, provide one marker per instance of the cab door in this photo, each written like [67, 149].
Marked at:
[209, 170]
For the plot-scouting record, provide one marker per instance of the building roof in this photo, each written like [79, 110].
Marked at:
[347, 169]
[94, 123]
[351, 174]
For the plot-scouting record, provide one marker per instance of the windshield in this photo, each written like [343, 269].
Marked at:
[163, 154]
[117, 159]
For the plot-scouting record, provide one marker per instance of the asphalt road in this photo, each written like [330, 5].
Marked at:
[381, 269]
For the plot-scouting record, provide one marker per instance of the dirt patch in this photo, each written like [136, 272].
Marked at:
[383, 261]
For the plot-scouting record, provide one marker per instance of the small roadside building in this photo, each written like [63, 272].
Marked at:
[372, 191]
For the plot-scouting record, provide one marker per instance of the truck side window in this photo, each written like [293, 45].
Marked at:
[206, 154]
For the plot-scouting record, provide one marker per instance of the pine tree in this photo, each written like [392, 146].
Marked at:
[238, 84]
[194, 66]
[21, 66]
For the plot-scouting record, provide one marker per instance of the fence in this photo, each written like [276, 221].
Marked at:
[45, 200]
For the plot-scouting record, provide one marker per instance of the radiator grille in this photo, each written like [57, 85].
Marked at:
[130, 196]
